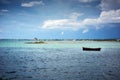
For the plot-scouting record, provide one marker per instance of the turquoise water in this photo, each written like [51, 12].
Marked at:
[59, 60]
[60, 44]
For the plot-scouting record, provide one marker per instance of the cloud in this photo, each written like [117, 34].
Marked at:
[31, 4]
[61, 23]
[70, 23]
[111, 16]
[86, 1]
[85, 31]
[75, 15]
[110, 5]
[106, 17]
[4, 10]
[62, 33]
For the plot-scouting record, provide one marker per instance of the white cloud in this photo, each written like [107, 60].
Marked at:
[106, 17]
[75, 15]
[86, 1]
[62, 33]
[70, 23]
[4, 10]
[61, 23]
[31, 4]
[112, 16]
[85, 31]
[110, 5]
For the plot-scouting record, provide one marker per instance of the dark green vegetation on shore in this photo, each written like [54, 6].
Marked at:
[40, 42]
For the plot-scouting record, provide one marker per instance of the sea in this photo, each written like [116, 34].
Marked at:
[59, 60]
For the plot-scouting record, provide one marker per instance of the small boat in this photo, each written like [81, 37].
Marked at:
[91, 49]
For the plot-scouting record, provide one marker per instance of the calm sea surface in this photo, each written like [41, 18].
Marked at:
[59, 60]
[60, 44]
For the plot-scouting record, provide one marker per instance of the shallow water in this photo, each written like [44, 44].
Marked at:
[63, 60]
[60, 44]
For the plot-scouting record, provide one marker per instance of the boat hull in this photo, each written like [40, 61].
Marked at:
[91, 49]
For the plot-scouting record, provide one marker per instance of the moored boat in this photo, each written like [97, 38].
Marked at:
[91, 49]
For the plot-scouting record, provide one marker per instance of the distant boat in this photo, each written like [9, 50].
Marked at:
[91, 49]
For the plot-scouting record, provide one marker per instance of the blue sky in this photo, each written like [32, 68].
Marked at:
[59, 19]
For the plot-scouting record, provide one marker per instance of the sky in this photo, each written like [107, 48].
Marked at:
[60, 19]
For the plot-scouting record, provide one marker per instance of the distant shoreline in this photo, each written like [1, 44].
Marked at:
[116, 40]
[65, 41]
